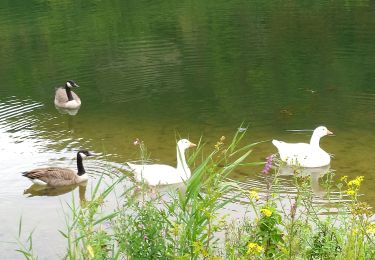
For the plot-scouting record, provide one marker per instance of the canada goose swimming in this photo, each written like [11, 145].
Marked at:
[303, 154]
[66, 98]
[57, 176]
[161, 174]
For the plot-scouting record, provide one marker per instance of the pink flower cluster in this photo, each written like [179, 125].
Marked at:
[268, 165]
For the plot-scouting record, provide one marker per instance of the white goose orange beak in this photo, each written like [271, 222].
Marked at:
[329, 132]
[192, 145]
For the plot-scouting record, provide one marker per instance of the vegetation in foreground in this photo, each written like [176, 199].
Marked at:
[189, 223]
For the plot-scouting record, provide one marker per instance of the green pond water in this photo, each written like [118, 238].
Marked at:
[155, 70]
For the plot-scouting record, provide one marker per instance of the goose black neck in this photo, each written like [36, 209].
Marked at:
[81, 169]
[69, 93]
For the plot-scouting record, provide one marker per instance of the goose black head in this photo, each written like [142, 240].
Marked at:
[85, 153]
[71, 84]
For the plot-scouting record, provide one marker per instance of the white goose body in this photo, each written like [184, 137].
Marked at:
[303, 154]
[161, 174]
[66, 98]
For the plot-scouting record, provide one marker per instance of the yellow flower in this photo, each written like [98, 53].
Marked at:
[253, 249]
[90, 250]
[356, 182]
[370, 229]
[254, 195]
[344, 178]
[266, 212]
[197, 247]
[361, 208]
[219, 143]
[351, 192]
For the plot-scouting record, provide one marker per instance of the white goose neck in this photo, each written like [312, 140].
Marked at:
[315, 139]
[182, 166]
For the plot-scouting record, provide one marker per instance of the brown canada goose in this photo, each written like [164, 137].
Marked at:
[66, 98]
[57, 176]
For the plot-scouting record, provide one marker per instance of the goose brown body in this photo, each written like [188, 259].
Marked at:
[66, 98]
[54, 176]
[61, 98]
[58, 176]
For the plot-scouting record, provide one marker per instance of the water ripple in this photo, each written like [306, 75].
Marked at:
[17, 114]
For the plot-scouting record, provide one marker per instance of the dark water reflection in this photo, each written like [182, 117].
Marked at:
[154, 70]
[37, 190]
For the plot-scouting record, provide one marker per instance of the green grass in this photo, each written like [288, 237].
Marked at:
[187, 223]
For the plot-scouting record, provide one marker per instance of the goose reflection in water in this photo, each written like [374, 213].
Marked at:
[314, 173]
[142, 191]
[38, 190]
[64, 111]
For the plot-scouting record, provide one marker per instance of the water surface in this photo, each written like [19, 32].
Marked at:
[157, 70]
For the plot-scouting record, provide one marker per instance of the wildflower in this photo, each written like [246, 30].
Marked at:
[253, 249]
[356, 182]
[197, 247]
[266, 212]
[219, 223]
[361, 208]
[137, 141]
[267, 166]
[351, 192]
[254, 195]
[90, 250]
[370, 229]
[219, 143]
[344, 178]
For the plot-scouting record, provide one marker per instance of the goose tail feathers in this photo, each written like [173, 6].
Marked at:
[277, 143]
[25, 174]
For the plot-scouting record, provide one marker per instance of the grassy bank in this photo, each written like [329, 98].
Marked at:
[187, 222]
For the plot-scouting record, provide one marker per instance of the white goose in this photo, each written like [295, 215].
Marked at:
[303, 154]
[161, 174]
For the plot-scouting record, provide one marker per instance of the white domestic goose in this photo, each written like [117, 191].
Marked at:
[57, 176]
[161, 174]
[66, 98]
[303, 154]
